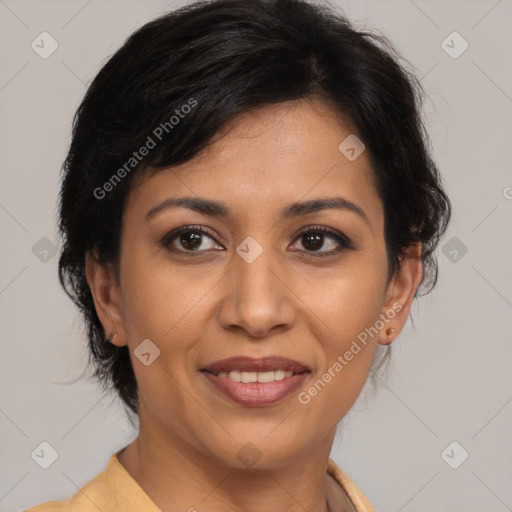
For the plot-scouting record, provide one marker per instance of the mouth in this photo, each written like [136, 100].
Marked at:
[256, 382]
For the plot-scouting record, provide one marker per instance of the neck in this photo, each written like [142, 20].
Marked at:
[164, 469]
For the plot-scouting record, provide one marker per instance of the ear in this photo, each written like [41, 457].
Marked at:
[400, 294]
[106, 294]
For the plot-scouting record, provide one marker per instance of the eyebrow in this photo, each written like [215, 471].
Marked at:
[218, 209]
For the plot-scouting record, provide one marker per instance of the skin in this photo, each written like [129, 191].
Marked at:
[287, 302]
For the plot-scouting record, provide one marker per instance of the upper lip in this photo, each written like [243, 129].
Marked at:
[249, 364]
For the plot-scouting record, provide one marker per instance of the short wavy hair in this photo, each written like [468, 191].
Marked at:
[231, 56]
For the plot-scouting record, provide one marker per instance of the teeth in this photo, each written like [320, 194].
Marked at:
[280, 375]
[266, 376]
[247, 377]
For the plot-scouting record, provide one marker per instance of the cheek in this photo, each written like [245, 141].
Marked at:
[349, 307]
[153, 292]
[348, 352]
[161, 304]
[349, 300]
[165, 304]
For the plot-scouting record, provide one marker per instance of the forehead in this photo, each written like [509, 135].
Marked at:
[266, 158]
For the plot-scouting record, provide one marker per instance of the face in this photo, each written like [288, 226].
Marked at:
[254, 277]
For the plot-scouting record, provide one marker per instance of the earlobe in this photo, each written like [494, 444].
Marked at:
[106, 296]
[401, 292]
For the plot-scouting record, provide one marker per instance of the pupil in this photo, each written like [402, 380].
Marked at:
[314, 240]
[194, 236]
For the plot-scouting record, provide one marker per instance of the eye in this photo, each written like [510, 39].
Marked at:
[313, 239]
[190, 238]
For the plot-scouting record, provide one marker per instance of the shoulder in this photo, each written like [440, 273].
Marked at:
[48, 506]
[96, 491]
[356, 496]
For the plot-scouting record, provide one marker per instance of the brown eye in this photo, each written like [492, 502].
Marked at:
[193, 240]
[189, 239]
[313, 239]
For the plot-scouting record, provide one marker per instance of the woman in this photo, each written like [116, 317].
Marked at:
[248, 209]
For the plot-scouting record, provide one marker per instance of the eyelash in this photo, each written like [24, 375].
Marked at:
[342, 240]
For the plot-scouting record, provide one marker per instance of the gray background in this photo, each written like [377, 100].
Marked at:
[450, 379]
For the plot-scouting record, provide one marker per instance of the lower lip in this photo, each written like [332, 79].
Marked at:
[256, 393]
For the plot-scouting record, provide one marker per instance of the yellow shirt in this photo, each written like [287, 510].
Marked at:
[115, 490]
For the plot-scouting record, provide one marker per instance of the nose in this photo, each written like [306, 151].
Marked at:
[258, 296]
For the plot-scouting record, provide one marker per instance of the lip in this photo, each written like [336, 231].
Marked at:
[250, 364]
[256, 394]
